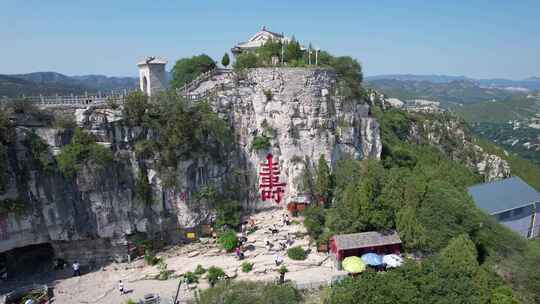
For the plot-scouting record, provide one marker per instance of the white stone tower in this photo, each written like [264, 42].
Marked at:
[152, 75]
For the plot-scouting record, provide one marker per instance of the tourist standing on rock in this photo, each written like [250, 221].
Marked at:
[76, 269]
[278, 259]
[121, 287]
[267, 244]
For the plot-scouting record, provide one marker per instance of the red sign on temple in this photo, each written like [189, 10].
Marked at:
[270, 186]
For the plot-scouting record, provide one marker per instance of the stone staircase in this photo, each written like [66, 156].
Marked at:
[188, 88]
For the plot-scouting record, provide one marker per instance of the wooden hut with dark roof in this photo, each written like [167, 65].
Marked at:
[356, 244]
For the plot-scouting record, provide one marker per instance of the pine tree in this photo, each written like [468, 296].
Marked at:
[322, 180]
[225, 60]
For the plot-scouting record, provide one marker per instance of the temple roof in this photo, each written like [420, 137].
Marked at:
[260, 38]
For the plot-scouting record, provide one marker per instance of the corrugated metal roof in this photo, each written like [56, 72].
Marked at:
[503, 195]
[366, 239]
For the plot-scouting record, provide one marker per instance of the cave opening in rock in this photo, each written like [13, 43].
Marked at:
[30, 259]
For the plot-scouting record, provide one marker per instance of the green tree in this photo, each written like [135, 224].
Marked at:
[314, 221]
[293, 51]
[225, 60]
[373, 288]
[187, 69]
[228, 212]
[135, 106]
[246, 61]
[323, 180]
[350, 74]
[272, 48]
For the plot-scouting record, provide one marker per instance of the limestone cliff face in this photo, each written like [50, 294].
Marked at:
[298, 109]
[448, 134]
[302, 113]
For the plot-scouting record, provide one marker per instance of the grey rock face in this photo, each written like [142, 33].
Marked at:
[449, 135]
[302, 114]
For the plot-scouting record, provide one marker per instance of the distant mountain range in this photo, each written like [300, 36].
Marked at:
[50, 83]
[448, 93]
[531, 83]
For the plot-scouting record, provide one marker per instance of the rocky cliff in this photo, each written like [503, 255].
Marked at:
[295, 114]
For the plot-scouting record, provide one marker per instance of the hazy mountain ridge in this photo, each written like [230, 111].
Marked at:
[49, 83]
[448, 93]
[531, 83]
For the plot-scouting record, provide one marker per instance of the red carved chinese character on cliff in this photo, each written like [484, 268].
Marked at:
[270, 186]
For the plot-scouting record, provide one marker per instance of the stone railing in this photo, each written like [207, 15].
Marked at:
[71, 100]
[184, 90]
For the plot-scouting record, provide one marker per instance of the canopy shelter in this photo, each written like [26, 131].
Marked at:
[357, 244]
[372, 259]
[392, 260]
[353, 264]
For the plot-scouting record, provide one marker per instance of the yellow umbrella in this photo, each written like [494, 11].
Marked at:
[353, 264]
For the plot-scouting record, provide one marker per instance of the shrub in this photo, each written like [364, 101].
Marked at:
[296, 253]
[130, 301]
[282, 269]
[145, 148]
[199, 270]
[164, 273]
[247, 266]
[64, 121]
[228, 213]
[215, 274]
[82, 148]
[245, 61]
[14, 206]
[150, 258]
[260, 143]
[186, 70]
[244, 292]
[268, 95]
[39, 151]
[191, 277]
[135, 106]
[112, 102]
[228, 240]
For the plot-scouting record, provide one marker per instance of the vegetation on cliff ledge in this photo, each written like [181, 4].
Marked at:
[180, 130]
[82, 150]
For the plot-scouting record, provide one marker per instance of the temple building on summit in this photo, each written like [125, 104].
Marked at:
[257, 40]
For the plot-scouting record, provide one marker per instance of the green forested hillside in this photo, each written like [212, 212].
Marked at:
[417, 190]
[516, 108]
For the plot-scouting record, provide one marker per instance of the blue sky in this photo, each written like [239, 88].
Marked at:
[474, 38]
